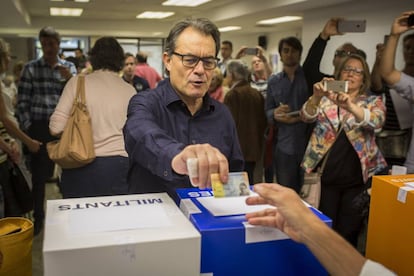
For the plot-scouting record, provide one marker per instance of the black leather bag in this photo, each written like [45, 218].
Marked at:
[18, 197]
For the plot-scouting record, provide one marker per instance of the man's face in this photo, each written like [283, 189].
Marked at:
[129, 66]
[225, 51]
[408, 51]
[257, 64]
[190, 83]
[50, 47]
[290, 56]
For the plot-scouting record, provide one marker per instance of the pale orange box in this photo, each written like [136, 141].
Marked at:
[390, 239]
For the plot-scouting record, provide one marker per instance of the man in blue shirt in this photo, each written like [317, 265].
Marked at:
[286, 93]
[39, 90]
[178, 120]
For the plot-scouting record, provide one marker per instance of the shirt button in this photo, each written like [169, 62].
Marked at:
[165, 173]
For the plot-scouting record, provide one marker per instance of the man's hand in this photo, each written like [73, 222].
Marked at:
[210, 160]
[330, 28]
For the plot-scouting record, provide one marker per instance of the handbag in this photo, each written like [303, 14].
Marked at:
[16, 238]
[311, 188]
[75, 148]
[21, 189]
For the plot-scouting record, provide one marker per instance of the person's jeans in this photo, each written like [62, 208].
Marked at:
[288, 170]
[105, 176]
[42, 169]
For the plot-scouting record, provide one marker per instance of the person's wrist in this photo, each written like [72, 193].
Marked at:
[324, 35]
[314, 101]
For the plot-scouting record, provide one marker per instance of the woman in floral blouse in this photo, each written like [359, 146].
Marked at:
[345, 128]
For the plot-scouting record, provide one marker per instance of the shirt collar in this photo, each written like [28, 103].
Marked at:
[172, 97]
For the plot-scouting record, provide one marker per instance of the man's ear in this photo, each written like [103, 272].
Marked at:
[167, 60]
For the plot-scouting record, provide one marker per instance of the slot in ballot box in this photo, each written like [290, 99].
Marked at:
[143, 234]
[230, 246]
[390, 239]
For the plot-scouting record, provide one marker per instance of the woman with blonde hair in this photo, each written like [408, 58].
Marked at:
[344, 133]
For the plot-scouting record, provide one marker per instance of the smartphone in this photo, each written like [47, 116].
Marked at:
[410, 20]
[335, 86]
[251, 51]
[351, 26]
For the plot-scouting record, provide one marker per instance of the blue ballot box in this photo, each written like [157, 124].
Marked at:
[230, 246]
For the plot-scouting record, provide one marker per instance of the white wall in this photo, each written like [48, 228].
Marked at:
[379, 16]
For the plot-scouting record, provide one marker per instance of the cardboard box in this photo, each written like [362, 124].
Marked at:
[390, 239]
[230, 246]
[143, 234]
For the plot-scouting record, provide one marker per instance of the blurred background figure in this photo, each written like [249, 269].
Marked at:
[246, 105]
[128, 74]
[144, 70]
[216, 89]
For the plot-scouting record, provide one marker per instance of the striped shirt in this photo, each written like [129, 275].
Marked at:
[39, 91]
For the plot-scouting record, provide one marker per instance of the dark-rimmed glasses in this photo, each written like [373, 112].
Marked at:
[191, 61]
[356, 71]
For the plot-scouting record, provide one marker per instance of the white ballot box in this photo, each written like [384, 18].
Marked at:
[139, 234]
[231, 246]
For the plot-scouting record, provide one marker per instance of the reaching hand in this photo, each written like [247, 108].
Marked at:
[400, 25]
[291, 215]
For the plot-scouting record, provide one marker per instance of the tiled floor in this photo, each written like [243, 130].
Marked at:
[52, 192]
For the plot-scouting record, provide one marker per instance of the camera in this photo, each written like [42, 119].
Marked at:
[335, 86]
[351, 26]
[251, 51]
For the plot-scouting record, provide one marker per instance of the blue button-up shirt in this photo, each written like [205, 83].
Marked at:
[39, 90]
[291, 138]
[159, 126]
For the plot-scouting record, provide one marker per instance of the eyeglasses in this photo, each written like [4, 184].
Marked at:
[342, 53]
[191, 61]
[356, 71]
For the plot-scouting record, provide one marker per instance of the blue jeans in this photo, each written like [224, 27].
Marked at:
[289, 173]
[105, 176]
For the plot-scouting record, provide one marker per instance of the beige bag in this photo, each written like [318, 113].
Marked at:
[75, 147]
[311, 189]
[16, 238]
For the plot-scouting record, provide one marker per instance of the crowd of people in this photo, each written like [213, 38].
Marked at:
[220, 112]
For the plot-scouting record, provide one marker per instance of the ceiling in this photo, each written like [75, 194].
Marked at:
[25, 18]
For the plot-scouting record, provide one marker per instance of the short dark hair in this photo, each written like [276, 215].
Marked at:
[292, 42]
[107, 53]
[128, 54]
[49, 32]
[202, 25]
[141, 57]
[228, 42]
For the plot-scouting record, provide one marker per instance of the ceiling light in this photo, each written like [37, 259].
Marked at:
[278, 20]
[81, 1]
[154, 15]
[187, 3]
[65, 12]
[229, 28]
